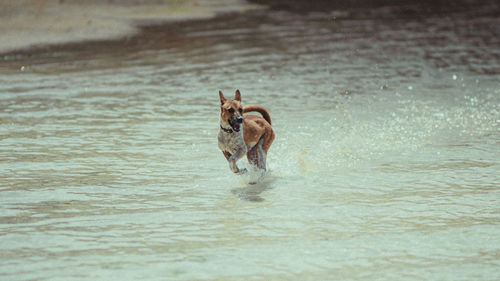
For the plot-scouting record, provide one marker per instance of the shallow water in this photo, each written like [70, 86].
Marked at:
[385, 163]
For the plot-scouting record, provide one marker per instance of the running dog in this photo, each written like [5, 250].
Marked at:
[238, 134]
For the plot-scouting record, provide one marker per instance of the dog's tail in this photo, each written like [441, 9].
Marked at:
[258, 109]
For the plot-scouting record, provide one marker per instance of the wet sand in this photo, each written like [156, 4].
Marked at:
[32, 29]
[38, 23]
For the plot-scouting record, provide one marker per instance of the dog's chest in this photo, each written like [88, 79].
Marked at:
[231, 142]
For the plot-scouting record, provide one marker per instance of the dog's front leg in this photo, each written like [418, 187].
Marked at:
[232, 162]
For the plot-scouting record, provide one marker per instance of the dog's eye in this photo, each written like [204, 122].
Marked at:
[240, 110]
[231, 110]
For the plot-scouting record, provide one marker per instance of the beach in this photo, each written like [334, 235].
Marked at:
[35, 23]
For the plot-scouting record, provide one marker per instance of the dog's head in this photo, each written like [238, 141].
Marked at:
[231, 111]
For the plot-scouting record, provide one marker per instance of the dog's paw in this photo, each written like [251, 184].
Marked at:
[242, 171]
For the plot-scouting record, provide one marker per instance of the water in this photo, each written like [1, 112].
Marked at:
[385, 163]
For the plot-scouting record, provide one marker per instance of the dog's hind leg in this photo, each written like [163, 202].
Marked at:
[262, 155]
[253, 156]
[257, 156]
[268, 140]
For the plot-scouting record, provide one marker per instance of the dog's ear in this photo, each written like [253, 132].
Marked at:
[237, 95]
[222, 98]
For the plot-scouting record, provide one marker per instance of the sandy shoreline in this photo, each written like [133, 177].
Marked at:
[34, 23]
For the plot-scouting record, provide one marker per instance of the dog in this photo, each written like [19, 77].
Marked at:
[240, 134]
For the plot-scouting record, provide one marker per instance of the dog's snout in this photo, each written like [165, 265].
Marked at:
[240, 119]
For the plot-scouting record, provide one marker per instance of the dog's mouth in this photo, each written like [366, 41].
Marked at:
[235, 125]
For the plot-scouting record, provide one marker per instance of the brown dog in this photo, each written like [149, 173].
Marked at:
[240, 134]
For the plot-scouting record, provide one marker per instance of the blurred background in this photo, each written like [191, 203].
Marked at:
[30, 23]
[26, 23]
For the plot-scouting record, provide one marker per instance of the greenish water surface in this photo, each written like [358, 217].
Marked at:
[385, 164]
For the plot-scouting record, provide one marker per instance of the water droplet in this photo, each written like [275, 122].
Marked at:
[410, 87]
[23, 68]
[455, 77]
